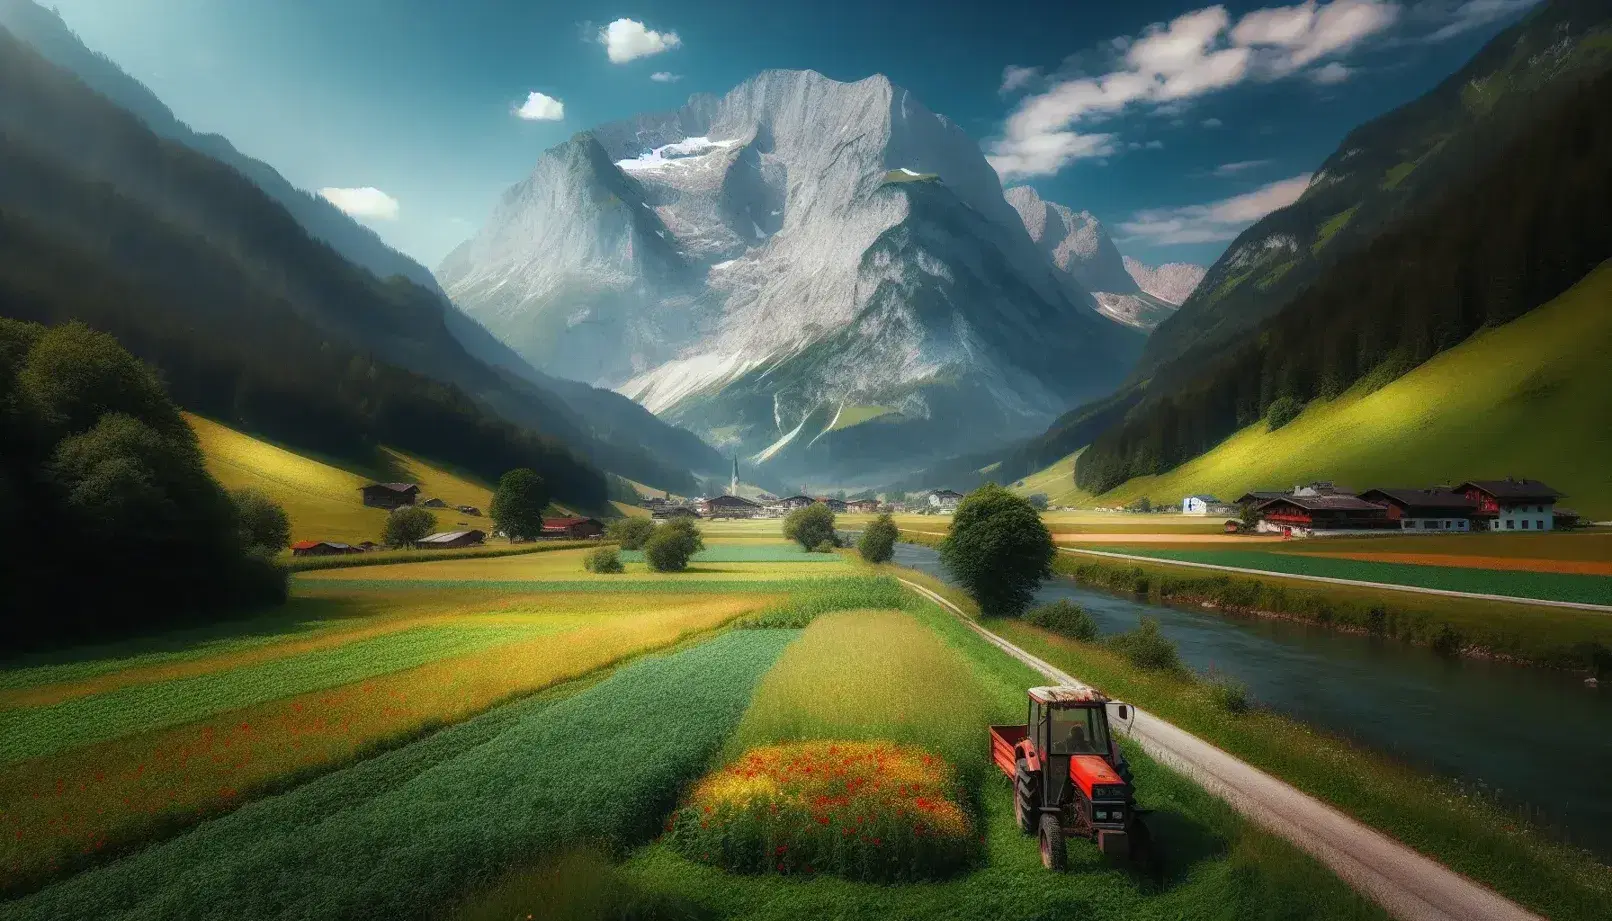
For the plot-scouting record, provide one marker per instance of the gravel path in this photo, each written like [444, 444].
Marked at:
[1407, 884]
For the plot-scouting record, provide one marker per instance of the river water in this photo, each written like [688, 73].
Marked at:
[1534, 738]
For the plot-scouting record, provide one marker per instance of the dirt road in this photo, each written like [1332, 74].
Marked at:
[1407, 884]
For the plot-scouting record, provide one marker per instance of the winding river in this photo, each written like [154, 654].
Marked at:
[1536, 739]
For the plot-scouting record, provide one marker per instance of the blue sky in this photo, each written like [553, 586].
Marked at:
[1177, 124]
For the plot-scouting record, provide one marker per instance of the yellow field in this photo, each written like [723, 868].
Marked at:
[322, 499]
[566, 565]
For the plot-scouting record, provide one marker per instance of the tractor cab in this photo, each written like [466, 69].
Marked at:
[1070, 778]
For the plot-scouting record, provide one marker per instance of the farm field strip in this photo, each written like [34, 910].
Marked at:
[753, 552]
[111, 673]
[71, 804]
[558, 568]
[1578, 589]
[407, 848]
[37, 731]
[1593, 546]
[1471, 561]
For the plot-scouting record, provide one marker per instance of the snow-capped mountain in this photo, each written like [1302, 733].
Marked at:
[1172, 282]
[1077, 243]
[823, 275]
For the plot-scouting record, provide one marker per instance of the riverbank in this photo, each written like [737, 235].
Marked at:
[1468, 832]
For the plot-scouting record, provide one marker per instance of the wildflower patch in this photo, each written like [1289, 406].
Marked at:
[870, 811]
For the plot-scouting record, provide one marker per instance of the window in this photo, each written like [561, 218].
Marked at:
[1540, 525]
[1510, 524]
[1079, 731]
[1525, 524]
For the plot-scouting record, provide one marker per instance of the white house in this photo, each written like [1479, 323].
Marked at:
[944, 500]
[1198, 505]
[1512, 504]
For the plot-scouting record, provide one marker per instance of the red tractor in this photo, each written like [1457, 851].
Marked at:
[1069, 778]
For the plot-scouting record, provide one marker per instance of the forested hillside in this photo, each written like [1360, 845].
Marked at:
[1521, 228]
[199, 272]
[1387, 169]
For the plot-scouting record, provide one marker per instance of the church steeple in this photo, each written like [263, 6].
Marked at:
[733, 487]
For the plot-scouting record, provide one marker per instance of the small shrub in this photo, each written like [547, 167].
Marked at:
[405, 526]
[825, 546]
[631, 533]
[672, 545]
[1064, 618]
[1448, 641]
[1228, 693]
[878, 543]
[603, 560]
[1147, 648]
[1377, 620]
[1282, 411]
[810, 526]
[1038, 501]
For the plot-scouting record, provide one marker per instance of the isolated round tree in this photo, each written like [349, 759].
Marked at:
[631, 533]
[998, 550]
[406, 525]
[672, 545]
[810, 526]
[518, 504]
[263, 524]
[878, 543]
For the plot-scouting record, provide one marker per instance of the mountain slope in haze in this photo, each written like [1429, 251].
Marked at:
[1513, 232]
[1529, 398]
[626, 439]
[823, 276]
[1382, 171]
[1172, 282]
[1077, 243]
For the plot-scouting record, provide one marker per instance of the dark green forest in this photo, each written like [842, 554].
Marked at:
[1526, 222]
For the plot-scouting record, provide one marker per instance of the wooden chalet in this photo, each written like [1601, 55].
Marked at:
[1425, 509]
[862, 506]
[434, 503]
[795, 502]
[668, 512]
[731, 507]
[389, 495]
[837, 506]
[322, 548]
[1512, 504]
[453, 540]
[1304, 516]
[573, 528]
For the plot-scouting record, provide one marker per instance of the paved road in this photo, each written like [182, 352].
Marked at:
[1408, 885]
[1393, 586]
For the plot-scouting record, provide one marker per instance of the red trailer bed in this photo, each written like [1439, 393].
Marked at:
[1003, 740]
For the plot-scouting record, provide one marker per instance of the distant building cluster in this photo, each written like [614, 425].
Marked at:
[398, 495]
[1509, 504]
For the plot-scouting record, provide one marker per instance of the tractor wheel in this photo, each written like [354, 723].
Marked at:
[1054, 848]
[1023, 813]
[1143, 856]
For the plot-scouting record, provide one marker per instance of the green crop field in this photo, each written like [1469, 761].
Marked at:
[748, 552]
[1476, 411]
[1551, 586]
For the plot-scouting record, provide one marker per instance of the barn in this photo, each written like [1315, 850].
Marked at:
[389, 495]
[572, 528]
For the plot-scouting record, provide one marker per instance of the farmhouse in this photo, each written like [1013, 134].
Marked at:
[322, 548]
[452, 540]
[572, 528]
[434, 503]
[1306, 516]
[1426, 509]
[837, 506]
[944, 500]
[862, 506]
[731, 507]
[389, 495]
[1512, 504]
[673, 511]
[1204, 505]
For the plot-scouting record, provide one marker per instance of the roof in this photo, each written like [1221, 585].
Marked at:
[310, 544]
[1424, 498]
[731, 500]
[1068, 694]
[566, 522]
[1510, 488]
[946, 493]
[1326, 503]
[394, 487]
[798, 499]
[448, 537]
[1259, 496]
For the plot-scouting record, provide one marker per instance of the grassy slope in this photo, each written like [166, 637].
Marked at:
[1056, 482]
[1522, 399]
[322, 499]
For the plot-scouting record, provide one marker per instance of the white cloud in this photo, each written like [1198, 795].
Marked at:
[367, 201]
[540, 108]
[1330, 73]
[628, 39]
[662, 76]
[1015, 77]
[1213, 123]
[1192, 55]
[1465, 17]
[1220, 220]
[1232, 169]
